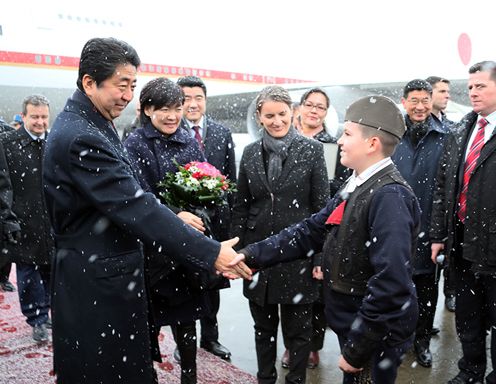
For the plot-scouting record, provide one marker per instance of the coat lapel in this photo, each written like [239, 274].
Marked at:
[259, 164]
[486, 151]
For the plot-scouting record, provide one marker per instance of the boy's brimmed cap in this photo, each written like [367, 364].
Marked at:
[377, 112]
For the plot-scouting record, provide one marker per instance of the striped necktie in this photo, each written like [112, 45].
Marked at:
[198, 137]
[470, 162]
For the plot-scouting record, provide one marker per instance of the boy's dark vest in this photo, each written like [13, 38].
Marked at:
[346, 259]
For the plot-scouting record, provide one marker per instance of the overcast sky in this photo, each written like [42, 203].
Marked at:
[347, 41]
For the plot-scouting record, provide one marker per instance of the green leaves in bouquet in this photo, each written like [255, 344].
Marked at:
[197, 184]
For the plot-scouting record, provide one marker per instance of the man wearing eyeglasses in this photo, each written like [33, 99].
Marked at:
[417, 158]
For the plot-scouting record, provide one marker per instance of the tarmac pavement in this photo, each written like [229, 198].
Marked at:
[236, 333]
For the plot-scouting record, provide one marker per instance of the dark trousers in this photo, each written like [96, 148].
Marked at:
[475, 313]
[5, 271]
[319, 325]
[296, 324]
[383, 367]
[449, 288]
[185, 337]
[427, 292]
[209, 325]
[33, 285]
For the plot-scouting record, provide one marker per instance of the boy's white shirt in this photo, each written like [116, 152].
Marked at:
[356, 180]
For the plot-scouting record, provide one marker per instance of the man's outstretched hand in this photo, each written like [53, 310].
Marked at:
[231, 264]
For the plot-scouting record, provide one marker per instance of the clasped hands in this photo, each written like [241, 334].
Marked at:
[231, 264]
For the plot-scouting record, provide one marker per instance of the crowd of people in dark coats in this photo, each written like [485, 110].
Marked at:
[357, 252]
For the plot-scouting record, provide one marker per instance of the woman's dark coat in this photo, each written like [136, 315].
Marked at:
[259, 212]
[176, 295]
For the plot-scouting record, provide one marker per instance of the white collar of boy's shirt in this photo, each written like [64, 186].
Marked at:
[33, 136]
[191, 125]
[356, 180]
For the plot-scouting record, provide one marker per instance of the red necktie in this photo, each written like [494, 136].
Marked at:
[470, 162]
[198, 137]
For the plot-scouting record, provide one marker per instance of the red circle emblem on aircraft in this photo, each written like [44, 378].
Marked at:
[464, 48]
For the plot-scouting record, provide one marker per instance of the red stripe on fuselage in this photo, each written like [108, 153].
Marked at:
[72, 63]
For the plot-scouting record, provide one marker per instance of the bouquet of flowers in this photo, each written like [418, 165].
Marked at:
[196, 184]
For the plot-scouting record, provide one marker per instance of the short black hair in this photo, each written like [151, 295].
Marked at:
[101, 56]
[158, 93]
[417, 85]
[484, 66]
[433, 80]
[304, 97]
[192, 81]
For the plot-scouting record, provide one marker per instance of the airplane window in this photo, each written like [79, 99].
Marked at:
[37, 59]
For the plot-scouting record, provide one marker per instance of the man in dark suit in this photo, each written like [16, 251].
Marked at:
[463, 223]
[5, 264]
[99, 213]
[217, 144]
[440, 98]
[24, 214]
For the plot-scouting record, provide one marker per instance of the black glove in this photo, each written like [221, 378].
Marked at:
[13, 237]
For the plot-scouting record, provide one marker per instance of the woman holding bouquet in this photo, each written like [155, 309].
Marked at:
[282, 180]
[155, 149]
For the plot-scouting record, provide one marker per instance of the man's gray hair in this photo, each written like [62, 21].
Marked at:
[35, 100]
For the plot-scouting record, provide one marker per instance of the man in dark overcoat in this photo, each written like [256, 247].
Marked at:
[22, 193]
[464, 224]
[417, 159]
[100, 215]
[5, 264]
[217, 144]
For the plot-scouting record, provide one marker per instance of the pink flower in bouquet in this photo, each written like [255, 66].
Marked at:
[202, 169]
[195, 184]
